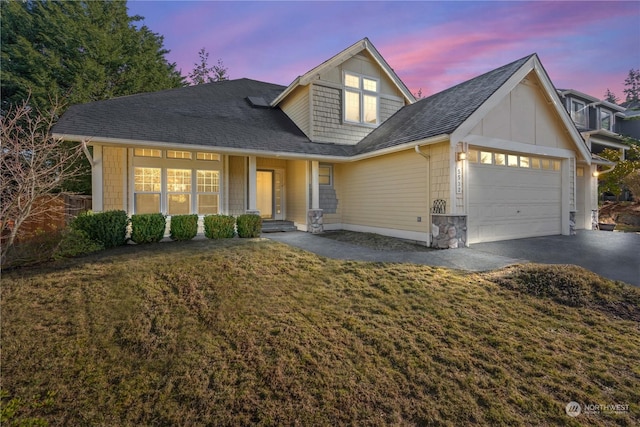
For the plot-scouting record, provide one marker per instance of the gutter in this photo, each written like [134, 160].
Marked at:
[244, 152]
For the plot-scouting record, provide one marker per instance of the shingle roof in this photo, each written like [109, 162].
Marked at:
[215, 114]
[227, 115]
[441, 113]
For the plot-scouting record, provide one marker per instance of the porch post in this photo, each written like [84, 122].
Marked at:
[97, 180]
[314, 216]
[252, 205]
[315, 185]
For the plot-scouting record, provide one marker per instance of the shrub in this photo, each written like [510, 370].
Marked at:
[108, 228]
[74, 243]
[249, 225]
[184, 227]
[147, 228]
[219, 226]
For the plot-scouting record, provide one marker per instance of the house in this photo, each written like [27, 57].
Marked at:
[598, 121]
[347, 146]
[602, 124]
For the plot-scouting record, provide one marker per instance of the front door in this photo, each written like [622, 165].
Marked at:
[269, 193]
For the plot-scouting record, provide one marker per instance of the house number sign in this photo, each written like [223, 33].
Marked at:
[458, 180]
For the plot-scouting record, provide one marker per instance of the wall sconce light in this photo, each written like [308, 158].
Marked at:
[596, 174]
[462, 156]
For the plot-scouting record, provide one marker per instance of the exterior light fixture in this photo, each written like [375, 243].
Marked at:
[596, 174]
[462, 156]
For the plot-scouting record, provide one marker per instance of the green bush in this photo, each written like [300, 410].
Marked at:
[219, 226]
[147, 228]
[108, 228]
[184, 227]
[74, 243]
[249, 225]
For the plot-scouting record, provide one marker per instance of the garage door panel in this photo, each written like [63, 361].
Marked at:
[508, 203]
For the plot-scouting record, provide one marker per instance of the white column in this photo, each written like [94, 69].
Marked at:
[252, 183]
[315, 185]
[97, 202]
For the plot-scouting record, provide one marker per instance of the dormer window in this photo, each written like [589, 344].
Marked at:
[361, 96]
[606, 120]
[579, 113]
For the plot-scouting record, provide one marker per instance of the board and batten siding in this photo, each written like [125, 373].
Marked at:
[114, 172]
[525, 116]
[387, 193]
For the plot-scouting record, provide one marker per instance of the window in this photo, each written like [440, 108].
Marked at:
[147, 152]
[535, 163]
[524, 162]
[208, 189]
[173, 154]
[486, 157]
[500, 159]
[579, 113]
[147, 187]
[208, 156]
[178, 191]
[605, 120]
[473, 156]
[325, 175]
[360, 99]
[512, 160]
[580, 172]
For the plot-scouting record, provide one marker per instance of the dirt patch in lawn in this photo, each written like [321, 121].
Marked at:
[375, 241]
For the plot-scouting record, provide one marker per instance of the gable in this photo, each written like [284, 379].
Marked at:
[318, 101]
[526, 115]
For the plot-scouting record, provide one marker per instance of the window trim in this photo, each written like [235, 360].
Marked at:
[610, 115]
[580, 112]
[361, 92]
[164, 163]
[330, 175]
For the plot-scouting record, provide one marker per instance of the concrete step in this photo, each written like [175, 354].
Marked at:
[277, 226]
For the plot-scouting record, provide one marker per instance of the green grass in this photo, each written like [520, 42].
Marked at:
[252, 332]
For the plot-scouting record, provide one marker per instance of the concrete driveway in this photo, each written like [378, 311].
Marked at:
[612, 255]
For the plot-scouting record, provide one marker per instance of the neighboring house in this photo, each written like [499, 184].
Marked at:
[598, 121]
[347, 146]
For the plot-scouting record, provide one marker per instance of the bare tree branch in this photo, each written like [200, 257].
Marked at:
[33, 164]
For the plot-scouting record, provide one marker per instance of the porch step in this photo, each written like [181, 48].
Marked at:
[277, 226]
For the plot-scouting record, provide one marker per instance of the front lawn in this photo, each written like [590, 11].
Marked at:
[253, 332]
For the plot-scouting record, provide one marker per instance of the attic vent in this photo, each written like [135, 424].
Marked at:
[258, 102]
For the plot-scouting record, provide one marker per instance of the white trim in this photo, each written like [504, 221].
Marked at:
[518, 147]
[533, 64]
[338, 59]
[97, 185]
[278, 154]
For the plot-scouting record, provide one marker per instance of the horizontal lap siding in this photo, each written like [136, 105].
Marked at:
[296, 106]
[237, 187]
[388, 192]
[296, 191]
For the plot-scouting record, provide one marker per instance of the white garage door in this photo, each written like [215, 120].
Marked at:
[513, 196]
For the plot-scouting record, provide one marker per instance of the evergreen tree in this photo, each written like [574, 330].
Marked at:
[78, 51]
[610, 97]
[632, 86]
[202, 73]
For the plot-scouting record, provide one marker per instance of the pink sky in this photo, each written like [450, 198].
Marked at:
[588, 46]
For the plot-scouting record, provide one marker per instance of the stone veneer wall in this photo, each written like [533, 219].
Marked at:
[448, 231]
